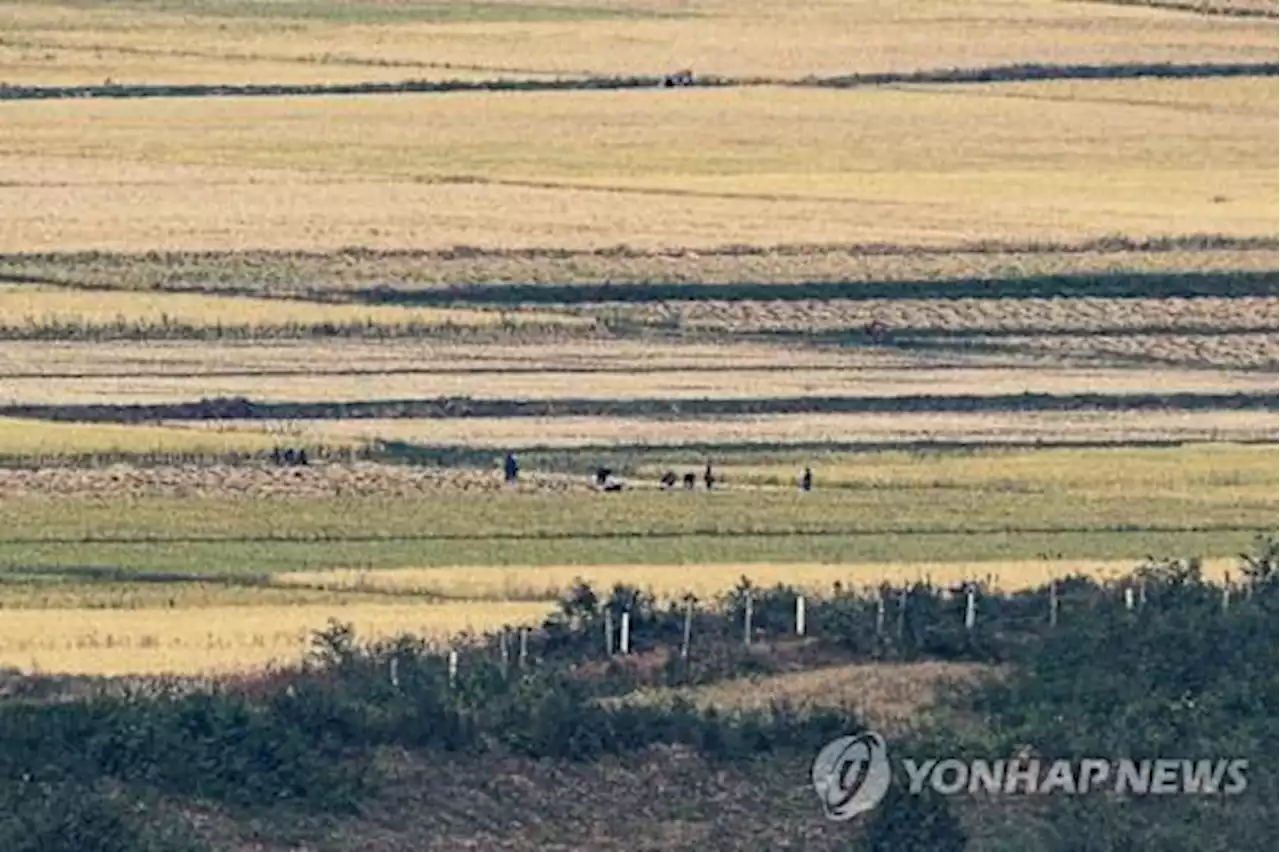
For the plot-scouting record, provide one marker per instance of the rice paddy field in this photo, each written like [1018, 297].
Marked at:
[1018, 328]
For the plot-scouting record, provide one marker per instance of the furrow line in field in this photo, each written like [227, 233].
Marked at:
[992, 74]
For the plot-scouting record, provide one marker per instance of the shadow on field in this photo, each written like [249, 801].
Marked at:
[443, 408]
[614, 535]
[1128, 285]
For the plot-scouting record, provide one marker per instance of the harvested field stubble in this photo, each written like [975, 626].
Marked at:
[361, 479]
[782, 429]
[387, 40]
[34, 310]
[898, 166]
[333, 273]
[318, 386]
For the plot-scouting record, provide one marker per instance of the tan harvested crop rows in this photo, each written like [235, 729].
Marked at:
[323, 40]
[265, 482]
[276, 273]
[978, 428]
[943, 165]
[688, 384]
[37, 305]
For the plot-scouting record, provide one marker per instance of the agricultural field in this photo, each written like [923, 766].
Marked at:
[1001, 276]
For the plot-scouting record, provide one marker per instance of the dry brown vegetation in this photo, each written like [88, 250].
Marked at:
[263, 482]
[889, 696]
[335, 273]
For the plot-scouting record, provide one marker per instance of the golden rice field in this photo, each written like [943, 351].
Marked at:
[707, 582]
[221, 640]
[37, 305]
[776, 165]
[19, 437]
[781, 429]
[1249, 471]
[216, 42]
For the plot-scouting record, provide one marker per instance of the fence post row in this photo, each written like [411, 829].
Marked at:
[688, 630]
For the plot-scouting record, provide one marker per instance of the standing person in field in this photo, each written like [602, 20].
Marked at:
[806, 480]
[511, 468]
[708, 477]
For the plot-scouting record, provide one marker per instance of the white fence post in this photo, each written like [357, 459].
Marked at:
[608, 633]
[1053, 603]
[1128, 598]
[746, 621]
[524, 646]
[800, 615]
[970, 609]
[395, 672]
[453, 668]
[625, 644]
[688, 630]
[879, 613]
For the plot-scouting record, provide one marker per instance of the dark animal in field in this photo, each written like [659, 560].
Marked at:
[690, 481]
[668, 480]
[683, 77]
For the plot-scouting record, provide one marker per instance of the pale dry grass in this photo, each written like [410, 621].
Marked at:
[888, 696]
[714, 36]
[42, 438]
[218, 640]
[207, 358]
[783, 429]
[707, 582]
[820, 166]
[340, 386]
[35, 305]
[60, 62]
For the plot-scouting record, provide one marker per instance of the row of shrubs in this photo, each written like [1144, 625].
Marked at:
[306, 737]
